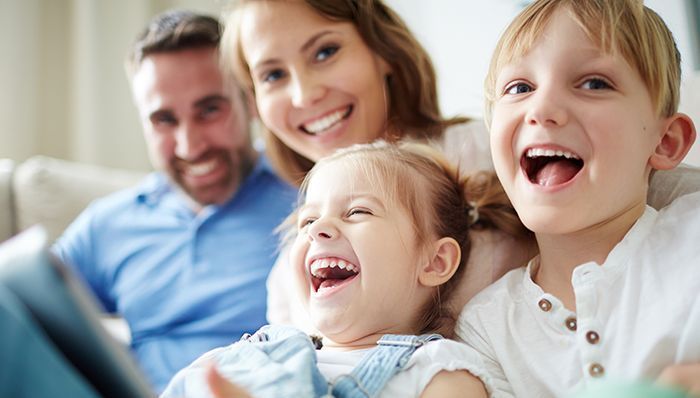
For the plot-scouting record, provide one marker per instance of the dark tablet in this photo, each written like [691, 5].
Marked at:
[67, 312]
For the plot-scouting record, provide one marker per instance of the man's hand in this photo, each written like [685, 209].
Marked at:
[685, 377]
[221, 387]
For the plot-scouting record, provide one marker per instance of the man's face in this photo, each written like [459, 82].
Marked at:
[196, 128]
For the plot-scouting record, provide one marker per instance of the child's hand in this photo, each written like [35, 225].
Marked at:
[685, 377]
[222, 388]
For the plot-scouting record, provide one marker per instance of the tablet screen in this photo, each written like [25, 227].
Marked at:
[69, 315]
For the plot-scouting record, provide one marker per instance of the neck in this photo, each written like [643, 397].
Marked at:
[359, 344]
[560, 254]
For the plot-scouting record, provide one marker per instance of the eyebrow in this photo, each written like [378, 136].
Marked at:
[349, 199]
[211, 98]
[304, 47]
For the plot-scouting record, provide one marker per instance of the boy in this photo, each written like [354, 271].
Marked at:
[582, 103]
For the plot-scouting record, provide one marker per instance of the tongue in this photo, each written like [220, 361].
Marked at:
[556, 172]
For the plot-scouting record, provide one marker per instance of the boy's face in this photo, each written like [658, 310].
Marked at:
[572, 132]
[355, 258]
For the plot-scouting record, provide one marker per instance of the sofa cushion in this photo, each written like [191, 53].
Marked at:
[7, 213]
[53, 192]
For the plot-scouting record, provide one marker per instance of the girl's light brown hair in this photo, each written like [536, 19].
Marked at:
[626, 27]
[441, 202]
[412, 87]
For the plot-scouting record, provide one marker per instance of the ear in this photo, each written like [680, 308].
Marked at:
[678, 136]
[442, 264]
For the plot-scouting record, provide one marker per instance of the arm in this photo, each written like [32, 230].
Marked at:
[454, 384]
[685, 377]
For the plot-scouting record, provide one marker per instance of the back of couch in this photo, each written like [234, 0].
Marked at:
[53, 192]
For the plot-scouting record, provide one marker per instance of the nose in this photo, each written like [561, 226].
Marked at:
[548, 108]
[322, 229]
[306, 89]
[190, 142]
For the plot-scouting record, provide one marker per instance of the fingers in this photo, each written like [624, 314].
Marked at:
[221, 387]
[683, 376]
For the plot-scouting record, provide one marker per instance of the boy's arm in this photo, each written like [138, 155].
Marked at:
[458, 383]
[667, 185]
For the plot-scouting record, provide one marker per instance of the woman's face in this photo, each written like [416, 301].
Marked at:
[318, 86]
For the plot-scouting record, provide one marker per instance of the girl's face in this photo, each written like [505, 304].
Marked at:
[356, 259]
[318, 87]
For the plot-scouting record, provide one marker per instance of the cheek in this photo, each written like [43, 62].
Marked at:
[271, 110]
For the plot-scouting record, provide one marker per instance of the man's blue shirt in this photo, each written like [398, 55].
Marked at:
[184, 282]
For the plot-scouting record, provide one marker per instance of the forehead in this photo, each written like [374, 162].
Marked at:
[271, 29]
[184, 76]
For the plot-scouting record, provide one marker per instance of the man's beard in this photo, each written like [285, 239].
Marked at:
[237, 166]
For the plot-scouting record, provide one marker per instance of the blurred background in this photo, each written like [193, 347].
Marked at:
[63, 91]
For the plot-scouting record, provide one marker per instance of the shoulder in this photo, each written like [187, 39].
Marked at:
[467, 144]
[442, 360]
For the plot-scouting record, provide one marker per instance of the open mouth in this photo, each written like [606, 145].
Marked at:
[549, 167]
[330, 272]
[325, 123]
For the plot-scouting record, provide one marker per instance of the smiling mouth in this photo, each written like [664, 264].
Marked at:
[330, 272]
[325, 123]
[548, 167]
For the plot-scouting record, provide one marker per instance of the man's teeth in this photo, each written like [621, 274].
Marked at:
[322, 124]
[535, 152]
[331, 263]
[200, 169]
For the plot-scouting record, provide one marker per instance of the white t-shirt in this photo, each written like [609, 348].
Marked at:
[425, 363]
[636, 314]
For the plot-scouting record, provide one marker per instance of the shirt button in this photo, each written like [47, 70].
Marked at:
[596, 370]
[545, 305]
[571, 323]
[592, 337]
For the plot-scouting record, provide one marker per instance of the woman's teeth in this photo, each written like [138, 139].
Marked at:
[320, 125]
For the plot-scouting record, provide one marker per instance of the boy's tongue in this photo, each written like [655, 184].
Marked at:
[556, 172]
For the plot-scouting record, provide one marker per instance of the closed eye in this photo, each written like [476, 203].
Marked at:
[518, 88]
[305, 222]
[359, 211]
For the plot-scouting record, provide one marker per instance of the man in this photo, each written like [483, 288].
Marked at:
[184, 256]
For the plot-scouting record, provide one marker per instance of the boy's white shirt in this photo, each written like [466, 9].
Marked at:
[643, 302]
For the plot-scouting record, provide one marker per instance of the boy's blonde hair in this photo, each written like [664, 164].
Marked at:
[626, 26]
[441, 202]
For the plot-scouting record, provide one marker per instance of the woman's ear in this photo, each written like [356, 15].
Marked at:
[678, 136]
[442, 264]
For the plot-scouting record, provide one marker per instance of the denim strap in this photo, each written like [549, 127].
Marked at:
[378, 366]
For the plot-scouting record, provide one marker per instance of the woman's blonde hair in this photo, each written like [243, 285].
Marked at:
[624, 26]
[441, 202]
[412, 87]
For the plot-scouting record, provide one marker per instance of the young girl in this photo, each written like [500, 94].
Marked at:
[381, 237]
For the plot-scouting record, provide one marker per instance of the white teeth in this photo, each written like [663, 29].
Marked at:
[322, 124]
[200, 169]
[535, 152]
[331, 263]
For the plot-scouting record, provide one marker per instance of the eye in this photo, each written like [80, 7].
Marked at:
[358, 211]
[596, 83]
[163, 119]
[518, 88]
[210, 111]
[326, 52]
[305, 222]
[272, 75]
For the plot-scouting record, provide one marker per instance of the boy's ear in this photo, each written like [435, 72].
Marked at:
[442, 264]
[677, 138]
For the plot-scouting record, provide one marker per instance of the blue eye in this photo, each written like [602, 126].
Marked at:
[273, 75]
[326, 52]
[596, 84]
[518, 88]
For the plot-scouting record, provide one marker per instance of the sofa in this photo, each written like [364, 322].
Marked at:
[52, 192]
